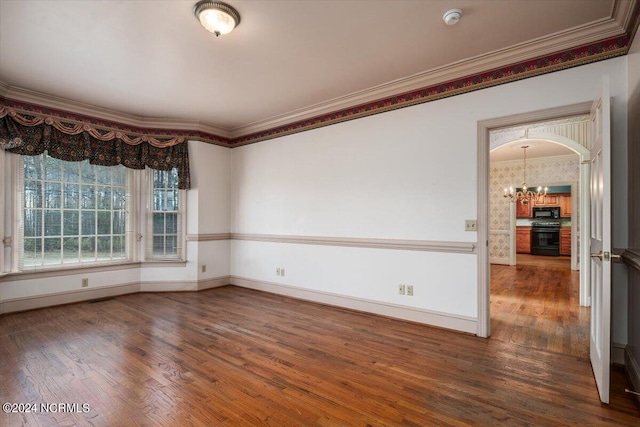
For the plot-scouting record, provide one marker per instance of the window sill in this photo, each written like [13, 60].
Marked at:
[41, 272]
[163, 263]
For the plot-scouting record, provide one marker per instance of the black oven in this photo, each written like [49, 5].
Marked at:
[545, 238]
[546, 212]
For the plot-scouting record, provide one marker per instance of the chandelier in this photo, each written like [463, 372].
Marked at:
[525, 195]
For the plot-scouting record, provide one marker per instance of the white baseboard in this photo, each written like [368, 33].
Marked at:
[87, 294]
[169, 286]
[503, 261]
[632, 366]
[617, 353]
[67, 297]
[433, 318]
[215, 282]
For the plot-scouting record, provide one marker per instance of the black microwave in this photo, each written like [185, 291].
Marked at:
[546, 212]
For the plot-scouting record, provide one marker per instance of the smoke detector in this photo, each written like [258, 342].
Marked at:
[451, 17]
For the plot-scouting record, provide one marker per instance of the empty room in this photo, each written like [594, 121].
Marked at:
[336, 213]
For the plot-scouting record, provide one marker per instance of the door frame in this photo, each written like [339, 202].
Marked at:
[483, 328]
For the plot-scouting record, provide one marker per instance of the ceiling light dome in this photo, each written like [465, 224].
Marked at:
[216, 17]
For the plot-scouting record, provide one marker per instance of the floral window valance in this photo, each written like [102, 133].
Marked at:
[31, 135]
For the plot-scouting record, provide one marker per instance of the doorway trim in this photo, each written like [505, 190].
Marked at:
[484, 127]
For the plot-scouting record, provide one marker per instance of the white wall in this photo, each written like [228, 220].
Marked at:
[405, 174]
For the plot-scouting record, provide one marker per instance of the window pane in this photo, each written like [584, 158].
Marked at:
[71, 196]
[32, 194]
[52, 169]
[87, 172]
[88, 223]
[32, 167]
[32, 222]
[158, 245]
[119, 198]
[71, 223]
[32, 252]
[52, 195]
[170, 245]
[71, 249]
[103, 174]
[88, 247]
[104, 197]
[88, 193]
[119, 247]
[172, 200]
[104, 222]
[52, 223]
[158, 223]
[158, 200]
[71, 171]
[52, 250]
[171, 223]
[119, 222]
[104, 247]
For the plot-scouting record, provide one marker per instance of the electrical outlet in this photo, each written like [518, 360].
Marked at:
[410, 290]
[85, 282]
[401, 289]
[470, 225]
[203, 268]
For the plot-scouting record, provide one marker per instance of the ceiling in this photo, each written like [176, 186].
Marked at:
[287, 60]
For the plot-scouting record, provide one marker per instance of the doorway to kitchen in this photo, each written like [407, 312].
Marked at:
[534, 241]
[535, 295]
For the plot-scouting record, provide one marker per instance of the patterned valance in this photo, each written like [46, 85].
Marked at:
[31, 135]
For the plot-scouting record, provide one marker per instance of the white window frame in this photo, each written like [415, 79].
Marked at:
[139, 201]
[16, 189]
[147, 219]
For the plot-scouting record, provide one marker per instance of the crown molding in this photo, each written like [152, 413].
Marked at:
[618, 24]
[27, 100]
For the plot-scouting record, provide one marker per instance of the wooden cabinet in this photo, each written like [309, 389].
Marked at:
[523, 240]
[523, 210]
[565, 241]
[563, 200]
[549, 200]
[565, 205]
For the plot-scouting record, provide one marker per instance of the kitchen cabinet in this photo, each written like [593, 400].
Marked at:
[549, 200]
[523, 240]
[565, 241]
[523, 210]
[565, 205]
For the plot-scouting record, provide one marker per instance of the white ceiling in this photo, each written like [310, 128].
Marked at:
[153, 59]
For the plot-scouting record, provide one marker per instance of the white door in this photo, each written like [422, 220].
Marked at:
[600, 184]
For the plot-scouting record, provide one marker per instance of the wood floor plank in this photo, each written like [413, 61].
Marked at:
[231, 356]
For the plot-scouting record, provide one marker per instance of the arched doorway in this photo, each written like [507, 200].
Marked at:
[579, 192]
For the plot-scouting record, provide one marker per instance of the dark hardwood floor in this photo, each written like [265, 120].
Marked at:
[233, 356]
[539, 307]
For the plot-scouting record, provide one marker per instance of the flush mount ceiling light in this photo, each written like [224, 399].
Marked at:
[216, 17]
[451, 17]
